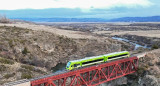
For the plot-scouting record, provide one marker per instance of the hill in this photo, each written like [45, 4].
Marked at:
[123, 19]
[137, 19]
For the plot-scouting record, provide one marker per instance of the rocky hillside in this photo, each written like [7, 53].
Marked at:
[149, 70]
[11, 70]
[26, 53]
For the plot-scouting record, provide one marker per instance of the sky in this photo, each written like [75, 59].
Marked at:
[79, 8]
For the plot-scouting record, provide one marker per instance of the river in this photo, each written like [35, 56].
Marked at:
[59, 68]
[133, 43]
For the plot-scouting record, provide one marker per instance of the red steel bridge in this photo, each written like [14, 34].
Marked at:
[90, 76]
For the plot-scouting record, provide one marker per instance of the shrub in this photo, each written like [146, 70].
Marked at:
[2, 68]
[25, 51]
[27, 31]
[7, 76]
[10, 43]
[89, 54]
[123, 85]
[158, 63]
[22, 41]
[4, 19]
[26, 76]
[155, 46]
[28, 67]
[35, 39]
[6, 61]
[39, 71]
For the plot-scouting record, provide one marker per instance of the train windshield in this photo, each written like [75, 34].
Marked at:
[68, 64]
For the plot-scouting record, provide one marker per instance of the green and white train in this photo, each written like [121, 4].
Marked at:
[96, 59]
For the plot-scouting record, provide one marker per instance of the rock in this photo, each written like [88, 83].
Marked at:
[158, 80]
[151, 64]
[116, 82]
[158, 63]
[154, 70]
[149, 80]
[18, 75]
[1, 76]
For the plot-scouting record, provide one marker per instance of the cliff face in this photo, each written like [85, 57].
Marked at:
[30, 53]
[150, 65]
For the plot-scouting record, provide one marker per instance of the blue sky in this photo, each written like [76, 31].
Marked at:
[79, 8]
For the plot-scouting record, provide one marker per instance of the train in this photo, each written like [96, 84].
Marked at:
[71, 65]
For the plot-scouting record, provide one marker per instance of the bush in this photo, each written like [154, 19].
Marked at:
[39, 71]
[26, 76]
[4, 19]
[22, 41]
[6, 61]
[28, 67]
[155, 46]
[25, 51]
[7, 76]
[89, 54]
[10, 43]
[2, 68]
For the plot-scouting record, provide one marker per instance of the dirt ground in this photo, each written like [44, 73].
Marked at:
[70, 34]
[148, 33]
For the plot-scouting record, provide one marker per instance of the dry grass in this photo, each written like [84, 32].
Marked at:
[6, 61]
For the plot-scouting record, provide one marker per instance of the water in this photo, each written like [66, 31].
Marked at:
[133, 43]
[59, 68]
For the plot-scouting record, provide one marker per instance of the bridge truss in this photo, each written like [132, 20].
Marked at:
[91, 76]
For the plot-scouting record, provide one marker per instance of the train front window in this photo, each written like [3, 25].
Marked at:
[68, 64]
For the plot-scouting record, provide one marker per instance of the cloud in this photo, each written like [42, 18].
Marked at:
[82, 4]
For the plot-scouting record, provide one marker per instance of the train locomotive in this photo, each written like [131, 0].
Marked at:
[96, 59]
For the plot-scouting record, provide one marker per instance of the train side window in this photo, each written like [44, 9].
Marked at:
[116, 56]
[75, 65]
[93, 61]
